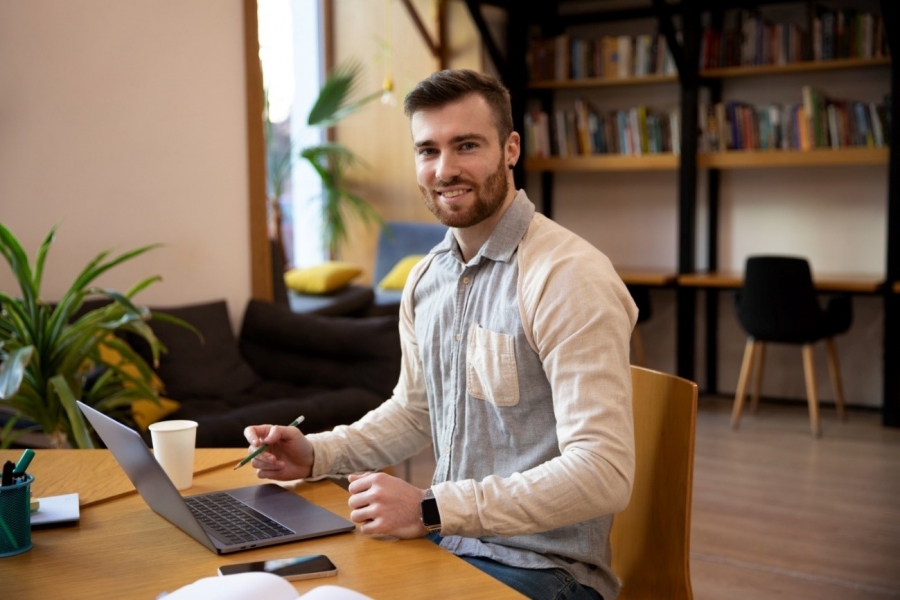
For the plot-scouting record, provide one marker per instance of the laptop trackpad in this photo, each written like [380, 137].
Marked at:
[291, 510]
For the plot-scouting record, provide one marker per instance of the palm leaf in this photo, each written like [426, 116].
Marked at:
[18, 262]
[97, 268]
[77, 425]
[333, 102]
[41, 257]
[12, 370]
[142, 285]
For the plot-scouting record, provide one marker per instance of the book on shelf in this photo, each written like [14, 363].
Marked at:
[749, 39]
[626, 60]
[816, 122]
[563, 63]
[537, 134]
[609, 47]
[815, 107]
[583, 130]
[564, 57]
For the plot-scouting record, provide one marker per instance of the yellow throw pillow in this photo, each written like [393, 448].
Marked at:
[396, 278]
[146, 412]
[321, 279]
[110, 355]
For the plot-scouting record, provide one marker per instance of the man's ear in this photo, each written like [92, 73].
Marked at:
[513, 149]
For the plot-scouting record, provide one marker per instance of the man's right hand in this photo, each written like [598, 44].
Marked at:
[289, 455]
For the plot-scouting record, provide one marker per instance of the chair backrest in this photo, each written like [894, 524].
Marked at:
[402, 239]
[651, 537]
[778, 302]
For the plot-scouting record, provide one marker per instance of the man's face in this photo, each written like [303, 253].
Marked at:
[461, 167]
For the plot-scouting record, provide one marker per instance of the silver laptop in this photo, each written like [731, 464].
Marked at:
[254, 516]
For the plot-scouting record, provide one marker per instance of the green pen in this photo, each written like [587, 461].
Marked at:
[24, 461]
[295, 423]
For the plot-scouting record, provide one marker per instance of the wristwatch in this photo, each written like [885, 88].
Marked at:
[431, 517]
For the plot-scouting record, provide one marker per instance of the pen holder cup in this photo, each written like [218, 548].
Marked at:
[15, 517]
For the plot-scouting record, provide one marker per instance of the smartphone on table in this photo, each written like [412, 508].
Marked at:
[297, 567]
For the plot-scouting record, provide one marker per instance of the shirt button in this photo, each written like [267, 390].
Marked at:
[445, 449]
[466, 280]
[457, 336]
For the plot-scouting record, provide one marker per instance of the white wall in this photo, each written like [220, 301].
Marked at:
[125, 121]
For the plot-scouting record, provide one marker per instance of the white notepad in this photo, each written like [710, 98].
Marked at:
[56, 509]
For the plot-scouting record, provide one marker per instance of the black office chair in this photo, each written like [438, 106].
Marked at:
[778, 304]
[641, 296]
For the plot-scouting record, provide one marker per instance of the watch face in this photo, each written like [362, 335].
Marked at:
[430, 514]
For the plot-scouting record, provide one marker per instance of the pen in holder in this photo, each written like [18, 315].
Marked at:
[15, 517]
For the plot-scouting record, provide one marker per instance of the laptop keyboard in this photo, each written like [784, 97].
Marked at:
[232, 521]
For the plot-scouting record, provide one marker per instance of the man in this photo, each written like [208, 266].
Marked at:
[515, 336]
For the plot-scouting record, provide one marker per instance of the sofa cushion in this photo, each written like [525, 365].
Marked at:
[321, 279]
[350, 300]
[192, 368]
[326, 352]
[221, 422]
[397, 276]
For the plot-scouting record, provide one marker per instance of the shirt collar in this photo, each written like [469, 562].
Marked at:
[503, 241]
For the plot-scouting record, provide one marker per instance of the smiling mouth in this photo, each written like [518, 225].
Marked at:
[450, 194]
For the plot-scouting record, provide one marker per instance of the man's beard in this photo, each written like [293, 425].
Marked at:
[489, 198]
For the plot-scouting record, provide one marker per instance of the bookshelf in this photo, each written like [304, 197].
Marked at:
[850, 150]
[692, 19]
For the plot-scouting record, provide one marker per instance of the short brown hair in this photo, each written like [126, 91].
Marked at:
[450, 85]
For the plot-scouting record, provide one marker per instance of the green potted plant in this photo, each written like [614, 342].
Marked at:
[330, 160]
[50, 355]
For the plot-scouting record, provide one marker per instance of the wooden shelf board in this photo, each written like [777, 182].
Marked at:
[591, 82]
[796, 67]
[823, 157]
[605, 162]
[858, 283]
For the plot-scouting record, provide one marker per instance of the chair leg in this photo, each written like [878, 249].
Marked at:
[809, 369]
[746, 367]
[835, 373]
[757, 383]
[637, 341]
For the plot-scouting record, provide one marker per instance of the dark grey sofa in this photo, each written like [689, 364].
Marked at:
[332, 370]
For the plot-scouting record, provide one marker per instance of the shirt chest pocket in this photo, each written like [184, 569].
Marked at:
[491, 372]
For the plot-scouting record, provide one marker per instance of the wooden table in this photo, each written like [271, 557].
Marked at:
[854, 283]
[652, 278]
[96, 475]
[825, 282]
[122, 549]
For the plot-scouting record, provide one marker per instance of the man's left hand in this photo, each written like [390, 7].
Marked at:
[386, 505]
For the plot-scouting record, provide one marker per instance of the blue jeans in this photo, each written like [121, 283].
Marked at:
[538, 584]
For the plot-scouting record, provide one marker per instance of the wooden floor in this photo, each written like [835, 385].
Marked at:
[778, 514]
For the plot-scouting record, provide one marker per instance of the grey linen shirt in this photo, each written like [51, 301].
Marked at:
[516, 366]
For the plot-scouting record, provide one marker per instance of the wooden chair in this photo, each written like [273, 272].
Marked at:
[651, 538]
